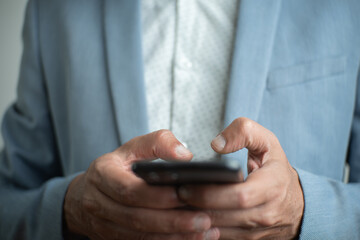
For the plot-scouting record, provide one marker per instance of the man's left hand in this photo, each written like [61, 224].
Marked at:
[268, 205]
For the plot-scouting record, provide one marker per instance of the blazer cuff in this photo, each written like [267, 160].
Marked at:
[51, 212]
[326, 209]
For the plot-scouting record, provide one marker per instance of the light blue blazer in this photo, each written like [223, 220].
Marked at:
[295, 70]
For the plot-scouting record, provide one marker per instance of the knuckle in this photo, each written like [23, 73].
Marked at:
[95, 170]
[126, 194]
[242, 199]
[112, 157]
[243, 122]
[246, 125]
[162, 135]
[135, 223]
[90, 205]
[268, 218]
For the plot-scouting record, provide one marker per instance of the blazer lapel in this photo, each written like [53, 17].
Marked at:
[256, 27]
[123, 48]
[255, 33]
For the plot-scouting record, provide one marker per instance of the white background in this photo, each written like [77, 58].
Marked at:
[11, 21]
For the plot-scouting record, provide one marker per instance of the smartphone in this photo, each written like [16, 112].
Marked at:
[176, 173]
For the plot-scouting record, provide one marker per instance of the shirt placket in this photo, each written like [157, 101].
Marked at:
[183, 71]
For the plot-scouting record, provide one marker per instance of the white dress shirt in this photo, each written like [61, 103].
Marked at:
[187, 50]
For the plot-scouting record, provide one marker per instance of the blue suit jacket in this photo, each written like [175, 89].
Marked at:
[81, 94]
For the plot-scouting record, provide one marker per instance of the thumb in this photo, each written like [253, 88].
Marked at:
[160, 144]
[245, 133]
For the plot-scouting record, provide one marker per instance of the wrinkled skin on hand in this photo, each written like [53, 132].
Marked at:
[109, 202]
[268, 205]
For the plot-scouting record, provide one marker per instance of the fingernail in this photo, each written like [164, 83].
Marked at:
[212, 234]
[201, 223]
[219, 142]
[182, 151]
[184, 193]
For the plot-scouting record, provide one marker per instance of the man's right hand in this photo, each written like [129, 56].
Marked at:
[109, 202]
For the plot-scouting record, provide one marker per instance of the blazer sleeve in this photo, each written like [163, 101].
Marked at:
[332, 208]
[32, 188]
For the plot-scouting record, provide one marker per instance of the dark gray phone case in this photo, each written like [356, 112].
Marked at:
[175, 173]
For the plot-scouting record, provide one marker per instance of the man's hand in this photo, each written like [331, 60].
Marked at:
[268, 205]
[109, 202]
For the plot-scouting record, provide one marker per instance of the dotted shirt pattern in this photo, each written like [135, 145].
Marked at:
[187, 51]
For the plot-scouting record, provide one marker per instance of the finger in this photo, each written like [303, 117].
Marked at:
[108, 230]
[124, 187]
[263, 216]
[267, 233]
[110, 173]
[147, 220]
[246, 218]
[244, 133]
[162, 221]
[260, 187]
[160, 144]
[108, 176]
